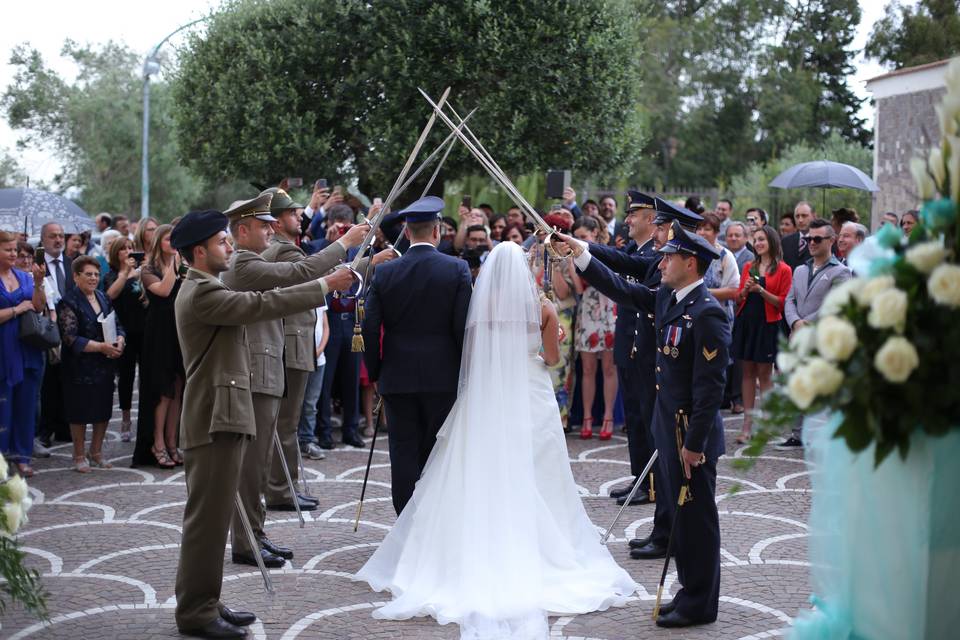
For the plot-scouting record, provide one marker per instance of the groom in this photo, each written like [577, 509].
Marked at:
[416, 311]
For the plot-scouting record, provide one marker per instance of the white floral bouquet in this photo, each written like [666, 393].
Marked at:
[22, 585]
[885, 352]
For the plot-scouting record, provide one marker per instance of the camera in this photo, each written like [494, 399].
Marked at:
[137, 257]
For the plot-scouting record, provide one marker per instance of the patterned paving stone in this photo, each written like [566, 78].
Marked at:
[107, 544]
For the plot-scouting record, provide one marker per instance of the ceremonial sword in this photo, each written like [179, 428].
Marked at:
[286, 473]
[633, 492]
[366, 475]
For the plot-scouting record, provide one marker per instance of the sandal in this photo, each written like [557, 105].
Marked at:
[586, 431]
[97, 462]
[80, 464]
[606, 430]
[25, 469]
[163, 461]
[744, 438]
[175, 456]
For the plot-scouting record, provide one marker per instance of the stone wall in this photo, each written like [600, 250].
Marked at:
[906, 126]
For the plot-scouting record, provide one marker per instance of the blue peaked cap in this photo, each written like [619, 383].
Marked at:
[668, 212]
[423, 210]
[639, 200]
[680, 240]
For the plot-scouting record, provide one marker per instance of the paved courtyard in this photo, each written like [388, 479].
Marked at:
[107, 545]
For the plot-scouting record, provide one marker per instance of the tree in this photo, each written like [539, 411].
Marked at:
[11, 174]
[912, 35]
[328, 88]
[94, 124]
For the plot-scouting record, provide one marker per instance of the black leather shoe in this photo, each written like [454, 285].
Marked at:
[641, 497]
[624, 491]
[216, 628]
[668, 608]
[674, 620]
[306, 498]
[237, 618]
[354, 441]
[288, 506]
[636, 543]
[277, 550]
[648, 552]
[270, 560]
[325, 443]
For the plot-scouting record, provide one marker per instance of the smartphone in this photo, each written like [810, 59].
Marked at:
[467, 202]
[345, 228]
[378, 202]
[321, 183]
[137, 257]
[38, 256]
[294, 183]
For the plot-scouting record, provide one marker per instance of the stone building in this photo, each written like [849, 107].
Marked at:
[905, 125]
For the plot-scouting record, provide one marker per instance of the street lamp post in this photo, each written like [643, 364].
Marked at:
[151, 66]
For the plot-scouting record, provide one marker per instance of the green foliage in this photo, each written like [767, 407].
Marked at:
[20, 584]
[324, 88]
[751, 188]
[732, 82]
[916, 34]
[94, 125]
[11, 174]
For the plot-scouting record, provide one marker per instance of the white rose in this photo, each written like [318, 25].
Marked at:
[836, 338]
[3, 466]
[944, 285]
[802, 388]
[937, 169]
[872, 288]
[17, 489]
[925, 186]
[953, 166]
[896, 359]
[787, 362]
[826, 377]
[926, 255]
[888, 310]
[803, 340]
[839, 296]
[12, 515]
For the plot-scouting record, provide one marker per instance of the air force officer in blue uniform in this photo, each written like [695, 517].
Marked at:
[420, 302]
[692, 336]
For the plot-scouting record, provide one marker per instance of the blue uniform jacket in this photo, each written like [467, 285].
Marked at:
[697, 331]
[421, 301]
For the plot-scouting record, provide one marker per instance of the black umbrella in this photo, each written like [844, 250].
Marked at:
[27, 210]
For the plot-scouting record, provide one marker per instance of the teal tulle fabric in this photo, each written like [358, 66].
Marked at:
[884, 542]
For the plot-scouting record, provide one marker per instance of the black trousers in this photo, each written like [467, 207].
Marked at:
[129, 361]
[53, 420]
[697, 535]
[343, 367]
[414, 419]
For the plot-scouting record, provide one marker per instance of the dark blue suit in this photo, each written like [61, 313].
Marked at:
[420, 301]
[690, 381]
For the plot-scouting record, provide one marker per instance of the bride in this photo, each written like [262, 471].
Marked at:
[495, 535]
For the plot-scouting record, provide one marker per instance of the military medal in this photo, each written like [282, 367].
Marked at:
[674, 352]
[666, 349]
[674, 333]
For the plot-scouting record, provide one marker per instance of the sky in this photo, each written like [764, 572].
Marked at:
[143, 24]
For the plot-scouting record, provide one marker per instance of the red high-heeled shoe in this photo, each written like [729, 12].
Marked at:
[606, 431]
[586, 432]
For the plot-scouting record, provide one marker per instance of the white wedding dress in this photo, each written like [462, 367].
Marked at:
[495, 535]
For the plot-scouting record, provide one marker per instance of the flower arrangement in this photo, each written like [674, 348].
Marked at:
[885, 352]
[22, 585]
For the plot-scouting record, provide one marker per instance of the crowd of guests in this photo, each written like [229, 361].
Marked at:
[112, 302]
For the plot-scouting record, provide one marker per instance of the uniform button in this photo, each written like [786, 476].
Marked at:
[266, 350]
[658, 368]
[658, 387]
[233, 382]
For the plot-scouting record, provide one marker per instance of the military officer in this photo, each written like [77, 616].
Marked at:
[218, 410]
[250, 226]
[645, 269]
[692, 335]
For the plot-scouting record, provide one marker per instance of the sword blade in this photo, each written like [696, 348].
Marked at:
[286, 473]
[254, 544]
[633, 492]
[366, 475]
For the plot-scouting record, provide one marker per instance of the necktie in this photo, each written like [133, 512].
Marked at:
[802, 244]
[59, 275]
[673, 299]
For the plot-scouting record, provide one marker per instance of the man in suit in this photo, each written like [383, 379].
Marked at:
[795, 249]
[692, 336]
[218, 412]
[53, 424]
[418, 304]
[248, 271]
[811, 284]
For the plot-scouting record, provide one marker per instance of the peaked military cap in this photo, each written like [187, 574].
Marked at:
[639, 200]
[258, 207]
[668, 212]
[281, 200]
[197, 226]
[679, 240]
[423, 210]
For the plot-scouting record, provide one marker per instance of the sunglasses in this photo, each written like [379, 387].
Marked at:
[817, 239]
[753, 221]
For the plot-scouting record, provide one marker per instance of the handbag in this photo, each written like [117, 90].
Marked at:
[38, 331]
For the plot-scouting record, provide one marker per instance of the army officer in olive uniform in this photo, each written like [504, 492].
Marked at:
[249, 271]
[218, 410]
